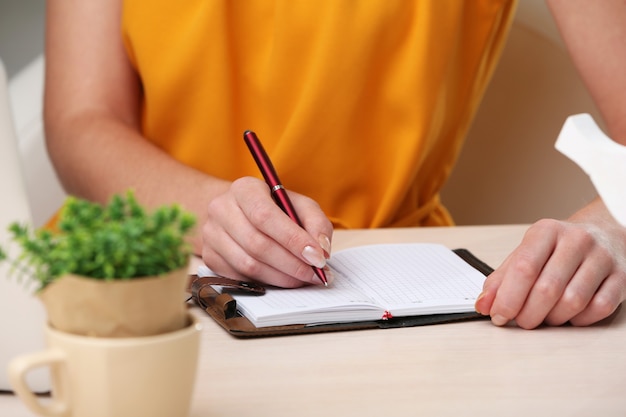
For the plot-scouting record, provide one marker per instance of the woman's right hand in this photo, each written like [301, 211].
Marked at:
[247, 236]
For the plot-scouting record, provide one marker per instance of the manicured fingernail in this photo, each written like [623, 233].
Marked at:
[313, 257]
[325, 244]
[482, 294]
[330, 277]
[499, 320]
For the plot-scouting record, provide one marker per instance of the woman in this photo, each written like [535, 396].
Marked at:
[361, 105]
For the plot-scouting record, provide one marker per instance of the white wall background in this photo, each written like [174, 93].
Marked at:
[509, 171]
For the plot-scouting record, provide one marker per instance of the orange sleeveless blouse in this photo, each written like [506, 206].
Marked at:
[362, 105]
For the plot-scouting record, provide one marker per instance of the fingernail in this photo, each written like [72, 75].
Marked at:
[482, 294]
[499, 320]
[324, 242]
[313, 257]
[330, 277]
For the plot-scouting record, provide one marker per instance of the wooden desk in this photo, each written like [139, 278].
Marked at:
[462, 369]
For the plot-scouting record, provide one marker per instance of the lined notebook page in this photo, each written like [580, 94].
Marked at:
[406, 275]
[340, 302]
[406, 279]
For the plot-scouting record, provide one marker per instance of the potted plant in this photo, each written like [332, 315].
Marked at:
[112, 270]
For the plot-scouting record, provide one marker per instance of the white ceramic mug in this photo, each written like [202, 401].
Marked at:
[113, 377]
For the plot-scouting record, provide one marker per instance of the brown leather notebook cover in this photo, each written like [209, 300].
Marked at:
[222, 307]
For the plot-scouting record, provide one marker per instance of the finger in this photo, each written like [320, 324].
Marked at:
[227, 257]
[261, 258]
[261, 212]
[314, 221]
[603, 303]
[521, 271]
[239, 249]
[237, 264]
[490, 288]
[581, 288]
[551, 283]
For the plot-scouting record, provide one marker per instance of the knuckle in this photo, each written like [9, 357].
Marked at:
[606, 259]
[603, 304]
[256, 245]
[546, 223]
[259, 214]
[524, 267]
[242, 184]
[580, 238]
[213, 212]
[548, 288]
[294, 240]
[574, 301]
[248, 266]
[546, 226]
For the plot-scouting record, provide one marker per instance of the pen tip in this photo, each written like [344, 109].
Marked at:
[326, 283]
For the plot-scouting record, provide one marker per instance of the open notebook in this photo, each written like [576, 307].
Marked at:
[387, 285]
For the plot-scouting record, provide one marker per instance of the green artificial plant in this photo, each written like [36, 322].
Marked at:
[120, 240]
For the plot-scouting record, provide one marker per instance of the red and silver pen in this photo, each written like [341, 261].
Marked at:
[276, 187]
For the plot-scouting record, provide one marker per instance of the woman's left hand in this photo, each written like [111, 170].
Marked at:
[563, 271]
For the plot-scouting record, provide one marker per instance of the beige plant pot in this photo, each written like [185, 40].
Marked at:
[118, 308]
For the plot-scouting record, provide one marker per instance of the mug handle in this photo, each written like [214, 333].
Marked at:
[19, 368]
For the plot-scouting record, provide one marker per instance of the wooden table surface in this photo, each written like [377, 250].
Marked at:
[460, 369]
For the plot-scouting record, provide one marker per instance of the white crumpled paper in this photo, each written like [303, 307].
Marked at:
[601, 158]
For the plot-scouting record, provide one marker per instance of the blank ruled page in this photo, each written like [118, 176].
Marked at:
[405, 275]
[340, 302]
[404, 279]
